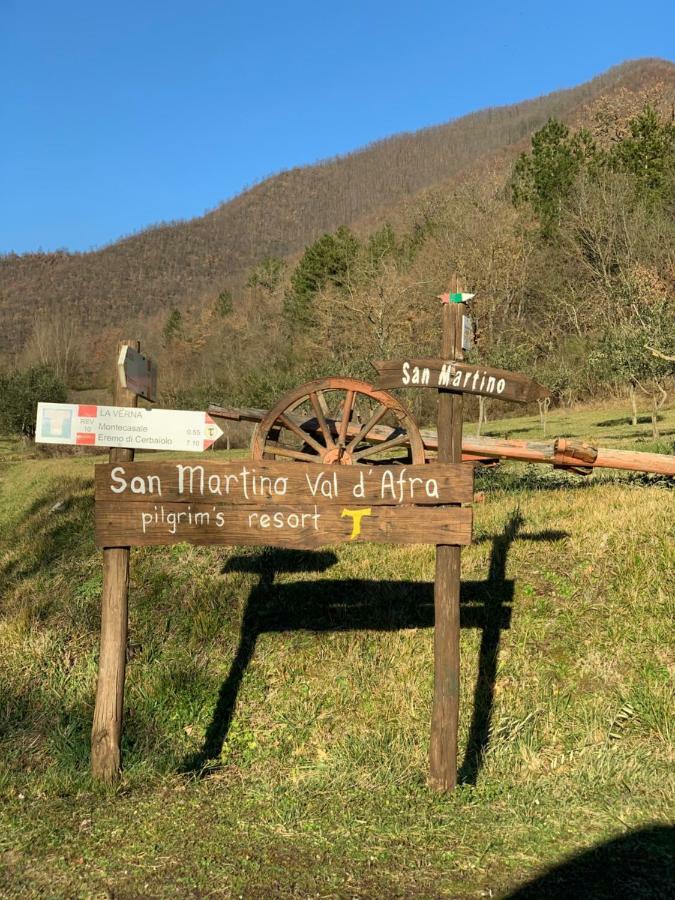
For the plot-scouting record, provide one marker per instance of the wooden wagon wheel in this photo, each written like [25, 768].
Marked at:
[339, 421]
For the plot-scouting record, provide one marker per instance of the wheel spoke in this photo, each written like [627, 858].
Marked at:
[301, 433]
[379, 448]
[322, 402]
[321, 419]
[374, 419]
[278, 450]
[346, 416]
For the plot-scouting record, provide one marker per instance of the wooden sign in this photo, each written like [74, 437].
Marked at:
[282, 504]
[121, 426]
[137, 373]
[458, 376]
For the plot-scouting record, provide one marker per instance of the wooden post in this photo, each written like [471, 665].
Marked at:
[445, 709]
[106, 732]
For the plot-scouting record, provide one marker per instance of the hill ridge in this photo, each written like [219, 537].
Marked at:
[179, 264]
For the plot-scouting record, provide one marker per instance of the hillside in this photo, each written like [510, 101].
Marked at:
[185, 264]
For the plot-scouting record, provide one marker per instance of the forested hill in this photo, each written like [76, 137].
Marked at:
[185, 265]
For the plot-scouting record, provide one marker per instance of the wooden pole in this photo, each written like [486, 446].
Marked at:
[445, 709]
[106, 732]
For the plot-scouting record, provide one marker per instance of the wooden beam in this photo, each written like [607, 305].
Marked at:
[501, 448]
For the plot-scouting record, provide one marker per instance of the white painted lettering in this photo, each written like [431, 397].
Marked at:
[119, 480]
[444, 377]
[193, 471]
[214, 484]
[431, 488]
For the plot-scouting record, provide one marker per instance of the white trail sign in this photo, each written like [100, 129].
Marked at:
[118, 426]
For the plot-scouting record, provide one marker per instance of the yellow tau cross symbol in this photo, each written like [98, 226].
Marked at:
[357, 515]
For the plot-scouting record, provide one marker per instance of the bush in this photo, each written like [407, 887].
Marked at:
[20, 393]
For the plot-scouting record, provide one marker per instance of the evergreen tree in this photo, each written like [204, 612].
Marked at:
[545, 177]
[648, 154]
[327, 261]
[172, 326]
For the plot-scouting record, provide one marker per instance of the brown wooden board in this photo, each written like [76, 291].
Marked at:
[460, 377]
[282, 504]
[245, 481]
[303, 526]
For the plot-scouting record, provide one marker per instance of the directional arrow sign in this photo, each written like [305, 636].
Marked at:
[458, 376]
[119, 426]
[138, 373]
[451, 297]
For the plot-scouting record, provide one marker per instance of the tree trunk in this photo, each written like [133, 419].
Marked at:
[543, 412]
[633, 402]
[482, 417]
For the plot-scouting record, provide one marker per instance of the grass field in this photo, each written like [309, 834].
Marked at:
[278, 703]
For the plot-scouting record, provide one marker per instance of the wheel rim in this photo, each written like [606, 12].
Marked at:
[339, 421]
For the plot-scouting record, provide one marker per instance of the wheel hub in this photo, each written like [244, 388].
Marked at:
[337, 456]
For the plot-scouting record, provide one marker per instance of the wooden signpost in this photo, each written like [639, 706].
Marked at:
[351, 478]
[452, 378]
[106, 732]
[445, 704]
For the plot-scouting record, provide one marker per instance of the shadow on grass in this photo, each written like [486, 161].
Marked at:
[505, 433]
[639, 865]
[365, 605]
[627, 420]
[647, 436]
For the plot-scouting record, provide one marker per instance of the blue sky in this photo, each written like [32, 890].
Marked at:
[117, 115]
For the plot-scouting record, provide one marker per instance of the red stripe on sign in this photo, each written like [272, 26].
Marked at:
[84, 437]
[88, 412]
[208, 419]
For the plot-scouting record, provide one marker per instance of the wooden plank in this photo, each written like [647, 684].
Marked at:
[458, 376]
[242, 481]
[303, 526]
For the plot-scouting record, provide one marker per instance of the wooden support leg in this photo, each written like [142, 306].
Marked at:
[106, 732]
[445, 710]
